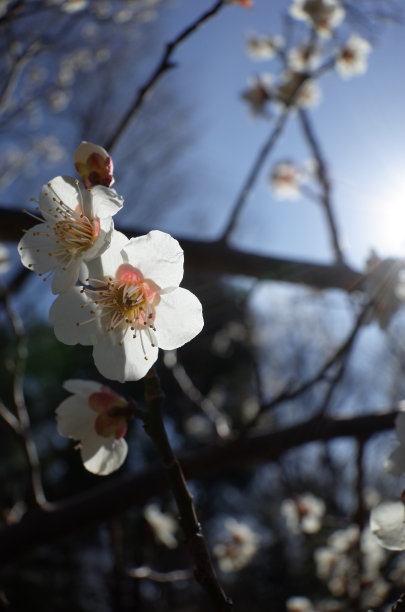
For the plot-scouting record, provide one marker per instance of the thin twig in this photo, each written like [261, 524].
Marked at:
[37, 492]
[164, 65]
[204, 403]
[289, 394]
[253, 174]
[204, 572]
[323, 178]
[112, 499]
[151, 574]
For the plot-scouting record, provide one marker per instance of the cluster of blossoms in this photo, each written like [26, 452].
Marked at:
[128, 304]
[162, 524]
[337, 566]
[304, 513]
[296, 84]
[387, 520]
[285, 180]
[238, 549]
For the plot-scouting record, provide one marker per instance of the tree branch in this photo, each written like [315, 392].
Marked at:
[160, 69]
[219, 259]
[39, 526]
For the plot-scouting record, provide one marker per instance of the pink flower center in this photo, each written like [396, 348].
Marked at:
[127, 301]
[110, 420]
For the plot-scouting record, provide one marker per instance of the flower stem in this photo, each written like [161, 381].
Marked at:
[153, 423]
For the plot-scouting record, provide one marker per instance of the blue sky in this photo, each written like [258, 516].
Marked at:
[359, 124]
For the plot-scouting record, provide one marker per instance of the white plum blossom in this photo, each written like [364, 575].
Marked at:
[4, 259]
[351, 59]
[97, 417]
[387, 523]
[286, 180]
[76, 227]
[130, 305]
[263, 47]
[323, 15]
[299, 604]
[304, 513]
[296, 89]
[258, 93]
[163, 525]
[304, 58]
[238, 549]
[337, 566]
[395, 464]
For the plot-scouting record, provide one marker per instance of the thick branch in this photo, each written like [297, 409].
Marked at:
[204, 572]
[219, 258]
[40, 526]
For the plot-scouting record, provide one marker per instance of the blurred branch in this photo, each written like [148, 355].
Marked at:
[219, 258]
[289, 394]
[206, 405]
[164, 65]
[22, 430]
[41, 526]
[322, 175]
[204, 572]
[253, 174]
[150, 574]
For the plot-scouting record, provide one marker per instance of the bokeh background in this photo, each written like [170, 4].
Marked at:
[283, 409]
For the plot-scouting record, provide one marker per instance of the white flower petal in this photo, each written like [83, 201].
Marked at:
[103, 455]
[60, 188]
[84, 388]
[387, 522]
[63, 280]
[178, 318]
[109, 261]
[158, 256]
[34, 250]
[66, 312]
[126, 362]
[74, 418]
[102, 242]
[106, 201]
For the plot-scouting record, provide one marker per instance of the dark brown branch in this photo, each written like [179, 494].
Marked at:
[219, 258]
[204, 572]
[164, 65]
[39, 527]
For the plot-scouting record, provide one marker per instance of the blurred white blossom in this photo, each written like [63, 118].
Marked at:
[351, 59]
[304, 58]
[304, 513]
[163, 525]
[237, 550]
[263, 47]
[286, 179]
[323, 15]
[258, 93]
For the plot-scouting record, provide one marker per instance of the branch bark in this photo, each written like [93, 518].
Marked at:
[220, 259]
[39, 526]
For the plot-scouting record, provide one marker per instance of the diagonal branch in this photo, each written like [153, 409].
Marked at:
[253, 174]
[204, 572]
[164, 65]
[323, 178]
[42, 526]
[220, 259]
